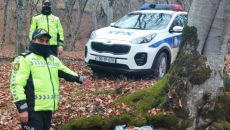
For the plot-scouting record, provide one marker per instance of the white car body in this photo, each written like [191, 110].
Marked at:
[104, 51]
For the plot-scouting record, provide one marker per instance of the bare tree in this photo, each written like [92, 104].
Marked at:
[8, 24]
[54, 5]
[80, 10]
[69, 4]
[21, 6]
[106, 13]
[94, 14]
[6, 10]
[32, 7]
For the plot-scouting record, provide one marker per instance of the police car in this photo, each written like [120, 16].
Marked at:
[144, 41]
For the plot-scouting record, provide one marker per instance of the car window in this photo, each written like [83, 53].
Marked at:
[180, 20]
[144, 21]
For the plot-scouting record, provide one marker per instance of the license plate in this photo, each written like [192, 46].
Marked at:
[105, 59]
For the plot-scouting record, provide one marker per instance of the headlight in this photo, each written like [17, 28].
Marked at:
[93, 35]
[144, 39]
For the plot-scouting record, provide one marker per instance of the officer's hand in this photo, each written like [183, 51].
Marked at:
[60, 51]
[86, 81]
[24, 117]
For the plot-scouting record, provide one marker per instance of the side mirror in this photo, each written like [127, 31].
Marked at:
[177, 29]
[112, 24]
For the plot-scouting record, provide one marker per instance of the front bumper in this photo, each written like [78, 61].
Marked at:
[119, 68]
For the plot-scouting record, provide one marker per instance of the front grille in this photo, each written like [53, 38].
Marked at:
[103, 64]
[116, 49]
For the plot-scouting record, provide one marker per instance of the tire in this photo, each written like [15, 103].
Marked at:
[160, 65]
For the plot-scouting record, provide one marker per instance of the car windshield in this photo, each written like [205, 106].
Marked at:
[144, 21]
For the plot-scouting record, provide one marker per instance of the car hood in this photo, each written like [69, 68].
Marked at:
[112, 33]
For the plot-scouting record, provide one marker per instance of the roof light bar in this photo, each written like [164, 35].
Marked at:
[174, 7]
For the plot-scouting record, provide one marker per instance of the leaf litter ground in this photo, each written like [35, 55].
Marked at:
[75, 100]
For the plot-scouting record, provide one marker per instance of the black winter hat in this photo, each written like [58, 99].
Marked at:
[40, 32]
[45, 1]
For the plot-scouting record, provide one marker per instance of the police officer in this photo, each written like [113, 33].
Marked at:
[35, 84]
[52, 24]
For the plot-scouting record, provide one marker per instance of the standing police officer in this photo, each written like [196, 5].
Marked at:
[35, 83]
[52, 24]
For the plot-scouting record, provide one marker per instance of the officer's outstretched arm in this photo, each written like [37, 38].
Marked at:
[68, 75]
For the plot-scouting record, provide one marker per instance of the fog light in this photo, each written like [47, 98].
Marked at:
[143, 56]
[140, 58]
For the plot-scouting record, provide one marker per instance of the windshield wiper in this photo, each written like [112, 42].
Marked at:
[115, 26]
[136, 28]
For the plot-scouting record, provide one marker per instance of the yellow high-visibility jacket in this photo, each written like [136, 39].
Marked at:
[35, 81]
[52, 24]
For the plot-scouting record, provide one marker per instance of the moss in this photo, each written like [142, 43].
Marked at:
[226, 125]
[70, 111]
[218, 126]
[222, 106]
[189, 62]
[189, 39]
[120, 120]
[143, 100]
[93, 122]
[221, 110]
[159, 120]
[78, 93]
[181, 113]
[185, 123]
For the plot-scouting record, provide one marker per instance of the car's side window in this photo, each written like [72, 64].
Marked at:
[178, 21]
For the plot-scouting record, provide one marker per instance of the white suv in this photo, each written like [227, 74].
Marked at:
[145, 41]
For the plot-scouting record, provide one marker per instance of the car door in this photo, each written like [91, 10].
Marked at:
[179, 20]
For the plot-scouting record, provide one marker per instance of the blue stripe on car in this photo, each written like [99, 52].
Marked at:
[174, 42]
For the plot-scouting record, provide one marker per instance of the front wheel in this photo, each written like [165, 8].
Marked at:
[160, 65]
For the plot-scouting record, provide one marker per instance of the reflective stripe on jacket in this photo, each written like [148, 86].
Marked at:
[51, 23]
[35, 81]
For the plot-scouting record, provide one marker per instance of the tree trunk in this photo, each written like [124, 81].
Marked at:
[94, 14]
[106, 12]
[54, 5]
[32, 7]
[8, 25]
[21, 26]
[69, 36]
[110, 12]
[213, 34]
[6, 10]
[80, 11]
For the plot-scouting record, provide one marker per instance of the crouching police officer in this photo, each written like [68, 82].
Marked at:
[35, 84]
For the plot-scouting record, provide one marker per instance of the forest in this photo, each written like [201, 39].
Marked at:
[194, 95]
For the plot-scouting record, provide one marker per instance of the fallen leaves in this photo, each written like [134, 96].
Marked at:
[78, 100]
[75, 100]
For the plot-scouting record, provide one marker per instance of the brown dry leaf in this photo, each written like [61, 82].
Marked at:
[169, 95]
[180, 104]
[141, 117]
